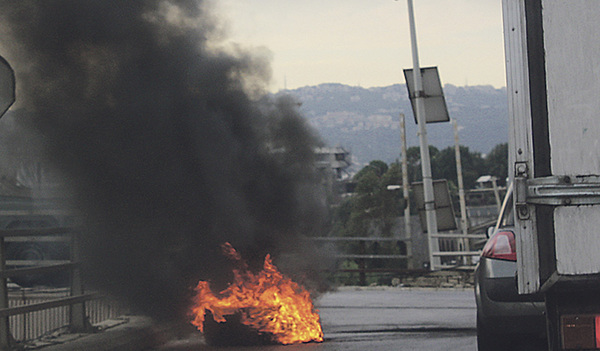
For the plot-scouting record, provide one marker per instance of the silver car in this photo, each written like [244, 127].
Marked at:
[505, 319]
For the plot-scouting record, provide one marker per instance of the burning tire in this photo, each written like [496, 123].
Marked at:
[233, 332]
[257, 308]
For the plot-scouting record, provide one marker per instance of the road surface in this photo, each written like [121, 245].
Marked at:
[380, 319]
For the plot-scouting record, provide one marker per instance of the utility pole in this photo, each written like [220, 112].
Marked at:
[461, 195]
[405, 188]
[431, 218]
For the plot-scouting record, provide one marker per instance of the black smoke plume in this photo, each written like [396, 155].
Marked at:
[165, 140]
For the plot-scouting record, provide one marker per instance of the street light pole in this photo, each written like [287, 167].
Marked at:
[430, 214]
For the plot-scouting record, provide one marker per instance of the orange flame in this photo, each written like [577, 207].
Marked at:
[268, 301]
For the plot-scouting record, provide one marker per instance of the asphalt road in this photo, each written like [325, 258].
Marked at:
[380, 319]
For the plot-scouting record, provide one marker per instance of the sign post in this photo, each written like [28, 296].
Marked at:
[7, 98]
[7, 86]
[422, 107]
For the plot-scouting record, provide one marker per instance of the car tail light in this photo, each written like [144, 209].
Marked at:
[501, 246]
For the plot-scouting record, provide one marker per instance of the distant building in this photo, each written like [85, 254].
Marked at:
[486, 181]
[336, 159]
[333, 163]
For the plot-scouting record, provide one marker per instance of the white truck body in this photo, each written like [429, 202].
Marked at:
[553, 82]
[553, 75]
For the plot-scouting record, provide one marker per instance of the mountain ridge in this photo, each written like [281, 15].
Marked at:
[366, 120]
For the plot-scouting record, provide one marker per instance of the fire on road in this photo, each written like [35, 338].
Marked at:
[381, 319]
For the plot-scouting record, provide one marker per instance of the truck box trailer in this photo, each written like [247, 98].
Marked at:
[553, 81]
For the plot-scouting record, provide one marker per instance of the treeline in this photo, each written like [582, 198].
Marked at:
[375, 205]
[474, 165]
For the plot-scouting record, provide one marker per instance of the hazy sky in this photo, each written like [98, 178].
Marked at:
[367, 42]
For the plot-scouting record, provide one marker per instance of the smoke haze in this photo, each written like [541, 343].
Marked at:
[166, 141]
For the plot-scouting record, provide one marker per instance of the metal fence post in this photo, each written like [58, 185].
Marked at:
[5, 336]
[361, 263]
[77, 318]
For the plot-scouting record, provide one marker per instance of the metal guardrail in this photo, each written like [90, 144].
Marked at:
[40, 328]
[362, 257]
[76, 300]
[466, 256]
[450, 252]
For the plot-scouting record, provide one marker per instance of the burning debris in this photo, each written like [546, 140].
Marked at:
[163, 136]
[266, 307]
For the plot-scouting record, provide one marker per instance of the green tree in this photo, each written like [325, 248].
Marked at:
[377, 167]
[473, 166]
[413, 161]
[496, 162]
[372, 210]
[373, 206]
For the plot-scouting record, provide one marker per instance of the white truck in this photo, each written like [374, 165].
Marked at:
[553, 81]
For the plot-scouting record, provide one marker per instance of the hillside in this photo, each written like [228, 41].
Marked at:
[366, 120]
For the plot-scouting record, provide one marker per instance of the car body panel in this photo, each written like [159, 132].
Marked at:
[499, 306]
[501, 310]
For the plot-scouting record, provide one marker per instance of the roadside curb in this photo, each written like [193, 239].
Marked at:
[431, 280]
[133, 334]
[438, 279]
